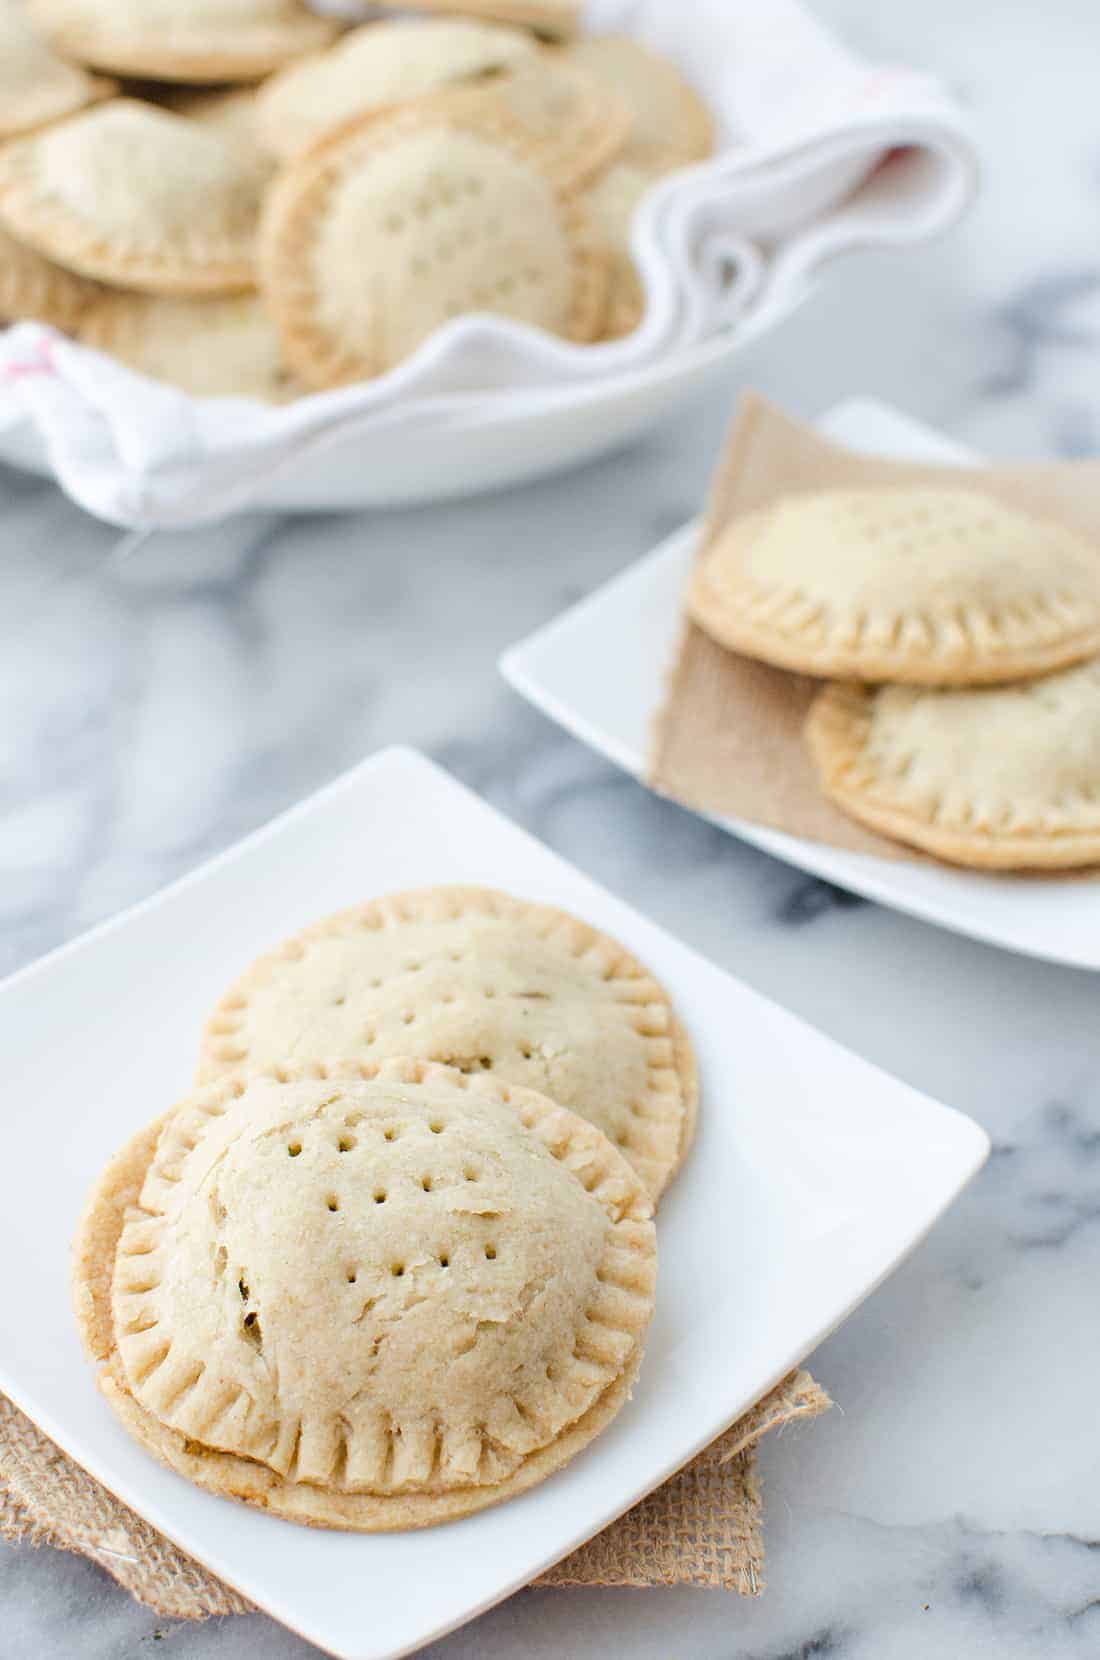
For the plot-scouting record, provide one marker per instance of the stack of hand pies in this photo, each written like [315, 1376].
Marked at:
[245, 201]
[962, 638]
[394, 1259]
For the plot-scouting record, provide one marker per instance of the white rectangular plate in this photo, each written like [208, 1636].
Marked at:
[814, 1175]
[599, 671]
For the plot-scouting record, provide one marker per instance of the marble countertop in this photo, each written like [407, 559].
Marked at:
[156, 708]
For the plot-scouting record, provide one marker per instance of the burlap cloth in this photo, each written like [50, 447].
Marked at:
[728, 739]
[704, 1527]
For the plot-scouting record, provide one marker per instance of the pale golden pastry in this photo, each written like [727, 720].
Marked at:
[135, 196]
[215, 346]
[556, 19]
[612, 201]
[34, 289]
[368, 1298]
[183, 40]
[399, 224]
[927, 585]
[231, 115]
[574, 124]
[486, 983]
[375, 67]
[37, 86]
[672, 126]
[1000, 778]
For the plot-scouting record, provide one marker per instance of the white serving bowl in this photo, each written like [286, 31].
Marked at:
[819, 156]
[494, 450]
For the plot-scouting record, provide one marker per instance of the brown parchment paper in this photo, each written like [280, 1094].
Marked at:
[703, 1527]
[729, 737]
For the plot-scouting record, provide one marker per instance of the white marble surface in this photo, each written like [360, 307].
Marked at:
[151, 712]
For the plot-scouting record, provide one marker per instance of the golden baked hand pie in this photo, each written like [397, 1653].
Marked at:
[1001, 778]
[136, 196]
[672, 126]
[34, 289]
[182, 40]
[375, 67]
[485, 983]
[367, 1298]
[216, 346]
[401, 223]
[612, 201]
[926, 585]
[36, 86]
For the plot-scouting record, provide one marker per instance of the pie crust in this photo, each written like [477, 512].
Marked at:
[999, 778]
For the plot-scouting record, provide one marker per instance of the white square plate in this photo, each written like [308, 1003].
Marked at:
[814, 1175]
[598, 670]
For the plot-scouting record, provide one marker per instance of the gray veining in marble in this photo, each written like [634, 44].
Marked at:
[156, 708]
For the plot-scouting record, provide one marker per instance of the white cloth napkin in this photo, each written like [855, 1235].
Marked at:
[821, 154]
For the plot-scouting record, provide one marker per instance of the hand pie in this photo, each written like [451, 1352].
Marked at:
[612, 201]
[182, 40]
[135, 196]
[929, 586]
[33, 289]
[219, 346]
[400, 224]
[36, 86]
[672, 126]
[375, 67]
[485, 983]
[367, 1298]
[1001, 778]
